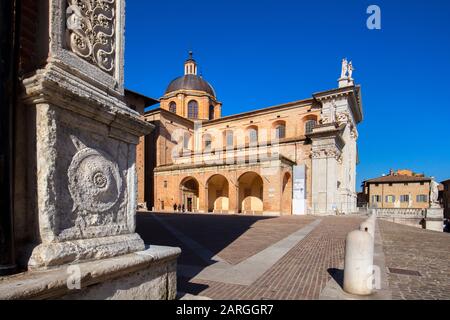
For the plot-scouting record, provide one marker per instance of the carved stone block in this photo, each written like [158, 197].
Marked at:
[87, 190]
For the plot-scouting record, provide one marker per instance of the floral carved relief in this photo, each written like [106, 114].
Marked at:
[91, 31]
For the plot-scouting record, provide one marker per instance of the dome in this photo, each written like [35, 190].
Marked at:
[190, 82]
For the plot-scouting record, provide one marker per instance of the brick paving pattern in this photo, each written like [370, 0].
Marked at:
[300, 274]
[233, 238]
[305, 270]
[419, 250]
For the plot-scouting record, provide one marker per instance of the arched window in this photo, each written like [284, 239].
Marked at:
[309, 126]
[252, 136]
[193, 110]
[173, 107]
[280, 131]
[211, 112]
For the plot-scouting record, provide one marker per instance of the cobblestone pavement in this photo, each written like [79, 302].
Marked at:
[426, 252]
[233, 238]
[305, 270]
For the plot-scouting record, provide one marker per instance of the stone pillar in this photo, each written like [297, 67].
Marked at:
[83, 163]
[86, 138]
[326, 155]
[233, 196]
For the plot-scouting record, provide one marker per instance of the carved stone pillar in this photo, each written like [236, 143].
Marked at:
[86, 138]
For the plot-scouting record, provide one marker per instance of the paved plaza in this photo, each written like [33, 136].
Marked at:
[257, 258]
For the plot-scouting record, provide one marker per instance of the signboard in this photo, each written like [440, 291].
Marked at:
[299, 190]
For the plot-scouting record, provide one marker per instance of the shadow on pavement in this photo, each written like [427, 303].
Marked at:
[213, 232]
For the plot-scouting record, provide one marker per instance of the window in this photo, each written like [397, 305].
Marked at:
[193, 110]
[208, 142]
[406, 184]
[422, 183]
[422, 198]
[376, 199]
[280, 131]
[309, 126]
[404, 198]
[253, 136]
[186, 139]
[230, 139]
[390, 184]
[390, 199]
[162, 205]
[211, 112]
[165, 184]
[173, 107]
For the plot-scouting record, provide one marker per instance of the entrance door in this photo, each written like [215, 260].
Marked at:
[189, 204]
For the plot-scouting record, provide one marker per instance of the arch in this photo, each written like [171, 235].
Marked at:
[286, 194]
[251, 193]
[218, 194]
[193, 109]
[189, 194]
[279, 129]
[173, 107]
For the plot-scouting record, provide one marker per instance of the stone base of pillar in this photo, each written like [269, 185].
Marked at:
[53, 254]
[435, 219]
[145, 275]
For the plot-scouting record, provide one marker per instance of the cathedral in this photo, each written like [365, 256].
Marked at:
[295, 158]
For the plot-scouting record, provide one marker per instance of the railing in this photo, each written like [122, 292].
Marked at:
[407, 213]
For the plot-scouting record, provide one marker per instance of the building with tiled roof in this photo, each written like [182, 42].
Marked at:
[400, 189]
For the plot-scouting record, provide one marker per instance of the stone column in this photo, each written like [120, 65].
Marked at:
[86, 138]
[326, 155]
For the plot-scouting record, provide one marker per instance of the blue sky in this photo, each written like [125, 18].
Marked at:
[258, 53]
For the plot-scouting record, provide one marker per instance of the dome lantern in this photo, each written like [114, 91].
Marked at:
[190, 66]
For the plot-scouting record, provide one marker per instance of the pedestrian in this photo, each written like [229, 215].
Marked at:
[183, 208]
[179, 208]
[175, 207]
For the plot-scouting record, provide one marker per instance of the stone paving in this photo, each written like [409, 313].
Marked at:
[309, 264]
[423, 251]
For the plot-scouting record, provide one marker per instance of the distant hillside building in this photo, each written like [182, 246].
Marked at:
[401, 189]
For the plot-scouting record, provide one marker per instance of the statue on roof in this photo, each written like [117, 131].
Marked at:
[344, 68]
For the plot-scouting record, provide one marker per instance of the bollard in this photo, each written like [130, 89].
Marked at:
[358, 265]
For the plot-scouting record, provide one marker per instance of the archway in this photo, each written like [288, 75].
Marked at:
[251, 188]
[189, 194]
[286, 194]
[218, 194]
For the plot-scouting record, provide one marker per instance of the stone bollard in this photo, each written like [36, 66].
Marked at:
[358, 267]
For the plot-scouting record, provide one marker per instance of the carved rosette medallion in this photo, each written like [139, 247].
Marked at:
[95, 183]
[91, 31]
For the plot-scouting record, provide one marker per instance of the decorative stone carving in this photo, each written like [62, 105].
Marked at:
[343, 118]
[328, 152]
[95, 183]
[354, 134]
[91, 31]
[325, 120]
